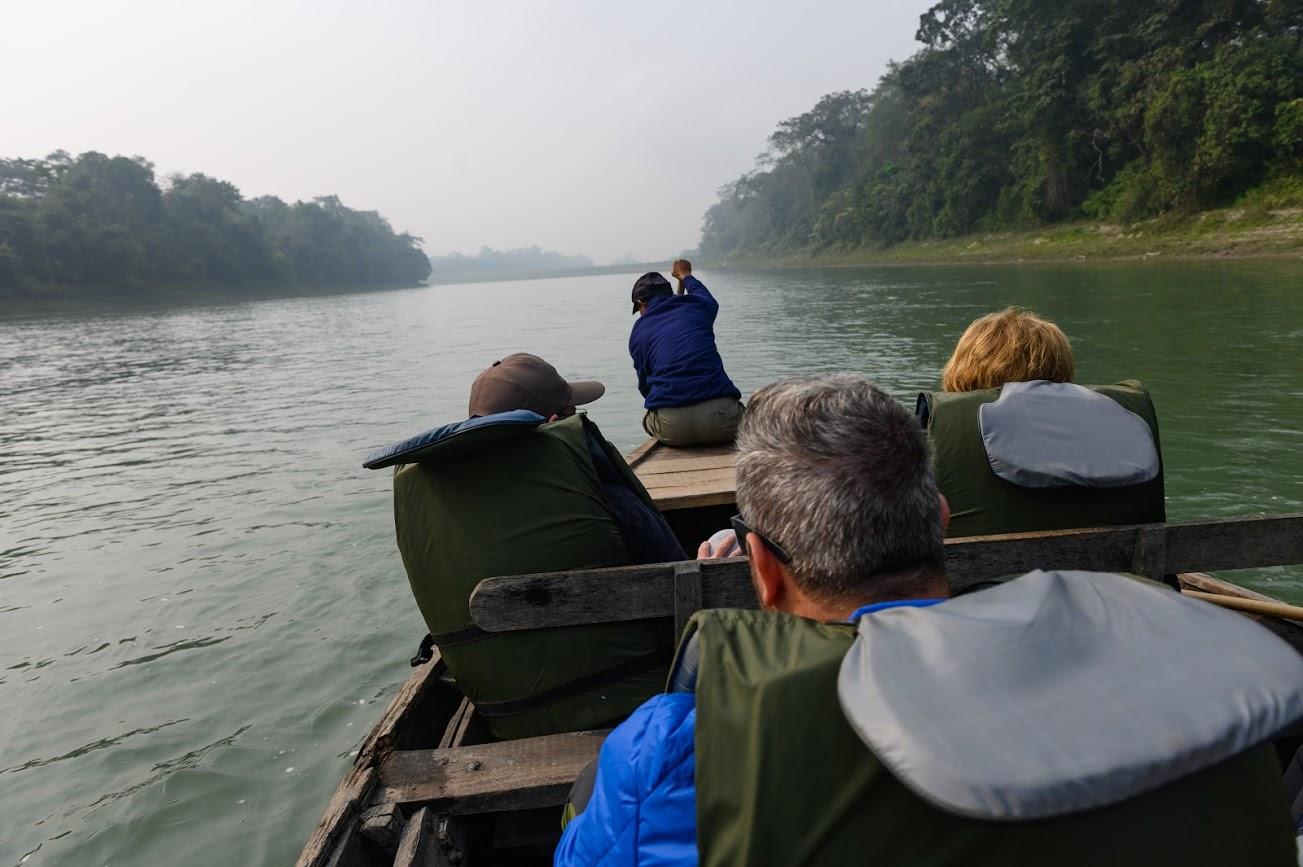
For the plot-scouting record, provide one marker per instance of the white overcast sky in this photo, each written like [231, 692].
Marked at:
[601, 128]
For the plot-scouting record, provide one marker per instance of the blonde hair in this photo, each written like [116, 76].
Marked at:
[1013, 345]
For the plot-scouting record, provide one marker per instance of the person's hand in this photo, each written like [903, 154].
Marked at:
[680, 269]
[717, 547]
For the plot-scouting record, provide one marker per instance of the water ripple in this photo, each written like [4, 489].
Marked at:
[91, 747]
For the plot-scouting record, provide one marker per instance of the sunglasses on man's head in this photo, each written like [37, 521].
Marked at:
[741, 529]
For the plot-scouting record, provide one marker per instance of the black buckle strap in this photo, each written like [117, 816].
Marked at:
[465, 635]
[445, 639]
[425, 652]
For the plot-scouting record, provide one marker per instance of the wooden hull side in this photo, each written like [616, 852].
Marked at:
[419, 712]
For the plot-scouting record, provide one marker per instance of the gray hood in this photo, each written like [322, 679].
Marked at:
[1055, 434]
[1062, 691]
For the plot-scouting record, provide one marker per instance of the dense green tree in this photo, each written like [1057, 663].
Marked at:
[104, 222]
[1019, 112]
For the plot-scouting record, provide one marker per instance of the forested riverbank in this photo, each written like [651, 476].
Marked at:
[103, 229]
[1017, 115]
[1249, 232]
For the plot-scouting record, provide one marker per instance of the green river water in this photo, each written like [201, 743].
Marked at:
[202, 611]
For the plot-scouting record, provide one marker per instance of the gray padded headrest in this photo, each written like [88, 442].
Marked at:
[1060, 692]
[1056, 434]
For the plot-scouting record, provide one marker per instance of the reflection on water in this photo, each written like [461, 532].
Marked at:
[201, 607]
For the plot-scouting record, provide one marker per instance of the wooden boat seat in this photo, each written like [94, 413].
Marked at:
[487, 778]
[676, 590]
[418, 806]
[685, 478]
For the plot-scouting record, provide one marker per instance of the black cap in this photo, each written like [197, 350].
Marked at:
[649, 286]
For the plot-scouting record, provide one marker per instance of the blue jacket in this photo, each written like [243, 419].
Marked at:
[673, 350]
[643, 810]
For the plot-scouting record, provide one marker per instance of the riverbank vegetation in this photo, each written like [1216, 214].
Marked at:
[1018, 115]
[95, 227]
[491, 264]
[527, 263]
[1252, 231]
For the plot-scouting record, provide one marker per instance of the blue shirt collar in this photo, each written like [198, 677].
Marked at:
[898, 603]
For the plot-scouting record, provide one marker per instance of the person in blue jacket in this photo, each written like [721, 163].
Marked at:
[688, 397]
[839, 472]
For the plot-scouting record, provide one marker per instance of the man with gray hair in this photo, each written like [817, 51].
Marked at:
[1071, 718]
[859, 512]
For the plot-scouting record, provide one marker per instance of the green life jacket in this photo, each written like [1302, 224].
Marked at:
[519, 503]
[782, 778]
[982, 503]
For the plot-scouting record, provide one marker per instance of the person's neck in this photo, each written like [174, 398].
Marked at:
[928, 586]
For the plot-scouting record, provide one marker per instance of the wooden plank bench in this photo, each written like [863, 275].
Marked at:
[679, 479]
[645, 592]
[423, 806]
[488, 778]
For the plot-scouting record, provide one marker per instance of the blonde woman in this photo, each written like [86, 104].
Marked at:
[1013, 345]
[1018, 447]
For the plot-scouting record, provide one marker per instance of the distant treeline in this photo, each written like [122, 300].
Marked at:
[1023, 112]
[105, 223]
[492, 264]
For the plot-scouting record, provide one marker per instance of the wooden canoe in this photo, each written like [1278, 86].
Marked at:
[429, 788]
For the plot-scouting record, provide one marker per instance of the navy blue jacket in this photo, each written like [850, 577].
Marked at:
[673, 350]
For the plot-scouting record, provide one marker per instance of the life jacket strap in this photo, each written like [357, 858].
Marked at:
[445, 639]
[465, 635]
[425, 652]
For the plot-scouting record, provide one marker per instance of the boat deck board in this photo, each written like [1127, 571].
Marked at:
[685, 478]
[485, 778]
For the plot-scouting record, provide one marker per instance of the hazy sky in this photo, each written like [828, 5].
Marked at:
[601, 128]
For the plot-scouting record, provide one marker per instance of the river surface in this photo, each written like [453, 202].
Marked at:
[202, 611]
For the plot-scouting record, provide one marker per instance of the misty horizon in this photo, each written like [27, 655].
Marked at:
[589, 130]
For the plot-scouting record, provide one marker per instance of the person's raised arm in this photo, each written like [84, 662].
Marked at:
[682, 271]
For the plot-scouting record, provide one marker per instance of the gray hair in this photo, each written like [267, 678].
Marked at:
[836, 471]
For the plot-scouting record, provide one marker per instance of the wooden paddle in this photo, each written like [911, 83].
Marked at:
[1250, 606]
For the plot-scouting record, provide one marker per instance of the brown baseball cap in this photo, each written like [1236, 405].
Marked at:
[524, 381]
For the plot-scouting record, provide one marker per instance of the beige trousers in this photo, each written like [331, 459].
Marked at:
[707, 423]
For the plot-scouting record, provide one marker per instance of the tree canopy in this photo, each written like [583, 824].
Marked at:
[1020, 112]
[105, 222]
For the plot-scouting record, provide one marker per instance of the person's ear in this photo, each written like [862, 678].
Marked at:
[945, 513]
[767, 572]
